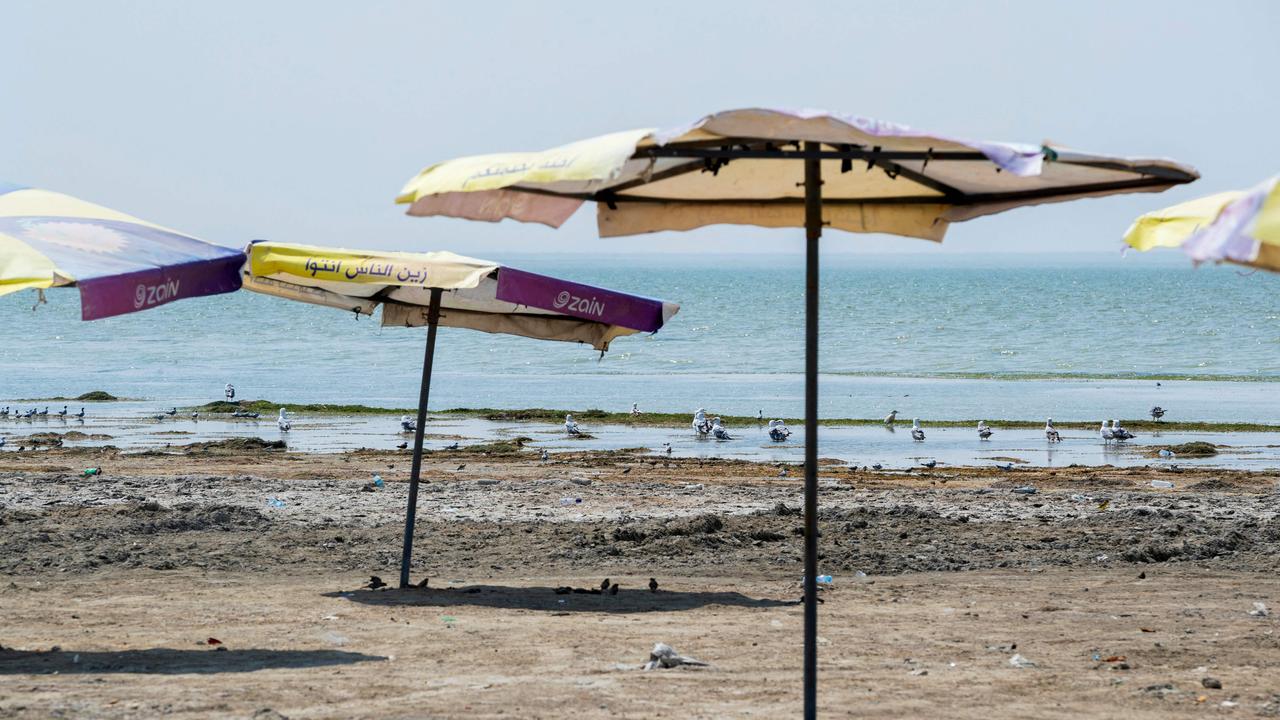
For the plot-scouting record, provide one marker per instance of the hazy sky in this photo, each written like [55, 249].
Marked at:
[300, 121]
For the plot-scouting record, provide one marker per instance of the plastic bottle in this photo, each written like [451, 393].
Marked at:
[824, 579]
[90, 472]
[377, 480]
[567, 501]
[1162, 484]
[275, 502]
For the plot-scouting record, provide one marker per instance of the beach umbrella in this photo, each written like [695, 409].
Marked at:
[777, 168]
[1238, 226]
[120, 264]
[443, 289]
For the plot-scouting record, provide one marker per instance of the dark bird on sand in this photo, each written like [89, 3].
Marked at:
[375, 582]
[463, 466]
[604, 584]
[423, 583]
[653, 585]
[451, 447]
[626, 470]
[613, 589]
[402, 445]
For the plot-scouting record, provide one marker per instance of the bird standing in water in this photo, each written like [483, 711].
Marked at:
[984, 432]
[571, 426]
[916, 433]
[1050, 432]
[282, 421]
[1157, 412]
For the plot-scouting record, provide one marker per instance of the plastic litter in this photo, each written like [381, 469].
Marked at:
[665, 656]
[377, 480]
[1259, 610]
[569, 501]
[275, 502]
[1020, 662]
[1025, 490]
[90, 472]
[1165, 484]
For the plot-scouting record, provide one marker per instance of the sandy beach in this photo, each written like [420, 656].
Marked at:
[1128, 599]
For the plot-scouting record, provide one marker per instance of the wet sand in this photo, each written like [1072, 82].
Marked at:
[130, 573]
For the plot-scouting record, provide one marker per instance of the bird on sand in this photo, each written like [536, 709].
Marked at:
[571, 426]
[1007, 467]
[403, 446]
[451, 447]
[613, 589]
[1157, 412]
[375, 582]
[782, 472]
[931, 464]
[544, 455]
[653, 585]
[423, 583]
[1050, 432]
[877, 466]
[984, 432]
[626, 470]
[891, 417]
[916, 433]
[461, 467]
[604, 584]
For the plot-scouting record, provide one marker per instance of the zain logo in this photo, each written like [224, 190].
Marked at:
[574, 304]
[148, 295]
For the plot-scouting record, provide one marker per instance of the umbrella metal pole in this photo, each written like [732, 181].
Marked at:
[433, 321]
[812, 231]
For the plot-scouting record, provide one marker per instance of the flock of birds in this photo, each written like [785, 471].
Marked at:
[1110, 431]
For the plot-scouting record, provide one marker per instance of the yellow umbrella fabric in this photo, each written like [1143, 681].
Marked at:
[1239, 226]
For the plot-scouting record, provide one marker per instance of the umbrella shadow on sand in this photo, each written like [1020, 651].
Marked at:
[545, 599]
[170, 661]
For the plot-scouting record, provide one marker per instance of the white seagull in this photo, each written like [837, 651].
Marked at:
[718, 430]
[571, 426]
[230, 392]
[700, 423]
[778, 431]
[1118, 432]
[1105, 432]
[916, 433]
[282, 421]
[891, 417]
[635, 408]
[984, 432]
[408, 424]
[1051, 432]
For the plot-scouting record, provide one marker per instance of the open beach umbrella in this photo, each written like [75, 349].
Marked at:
[120, 264]
[777, 168]
[1239, 226]
[440, 288]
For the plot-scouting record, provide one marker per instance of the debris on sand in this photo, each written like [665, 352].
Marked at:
[665, 656]
[1259, 610]
[1190, 449]
[234, 445]
[1019, 661]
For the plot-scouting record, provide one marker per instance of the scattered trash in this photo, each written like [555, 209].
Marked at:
[580, 481]
[275, 502]
[1101, 558]
[448, 619]
[1025, 490]
[1020, 662]
[377, 480]
[665, 656]
[860, 576]
[567, 501]
[824, 579]
[1077, 497]
[1259, 610]
[90, 472]
[1165, 453]
[1212, 683]
[919, 671]
[488, 482]
[213, 641]
[1165, 484]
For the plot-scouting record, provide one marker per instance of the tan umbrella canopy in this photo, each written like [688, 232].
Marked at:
[851, 173]
[1237, 226]
[441, 288]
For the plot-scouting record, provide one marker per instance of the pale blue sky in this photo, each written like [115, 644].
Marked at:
[300, 121]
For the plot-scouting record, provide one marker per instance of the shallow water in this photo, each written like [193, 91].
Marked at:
[131, 426]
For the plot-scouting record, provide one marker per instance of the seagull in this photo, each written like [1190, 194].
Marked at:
[778, 431]
[984, 432]
[891, 417]
[653, 585]
[230, 392]
[1157, 412]
[403, 445]
[668, 448]
[1050, 432]
[718, 430]
[1105, 432]
[760, 414]
[916, 433]
[1007, 467]
[635, 408]
[2, 441]
[282, 421]
[171, 411]
[63, 412]
[45, 412]
[877, 466]
[1118, 432]
[451, 447]
[782, 472]
[931, 464]
[613, 589]
[700, 424]
[604, 585]
[570, 426]
[408, 424]
[544, 455]
[461, 467]
[375, 582]
[5, 412]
